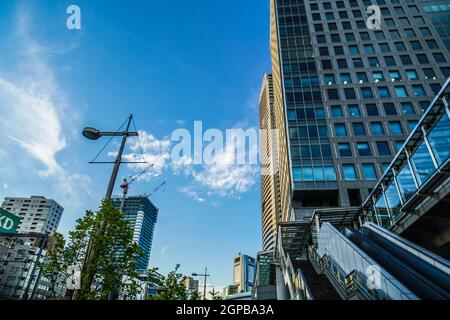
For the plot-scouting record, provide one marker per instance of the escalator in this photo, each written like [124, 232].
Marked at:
[424, 279]
[404, 270]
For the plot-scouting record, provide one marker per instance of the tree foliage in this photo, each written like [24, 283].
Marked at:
[172, 286]
[115, 264]
[54, 266]
[215, 295]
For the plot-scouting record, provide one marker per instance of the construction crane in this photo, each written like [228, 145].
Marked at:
[127, 182]
[148, 195]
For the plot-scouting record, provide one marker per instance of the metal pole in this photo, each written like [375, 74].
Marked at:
[115, 171]
[204, 285]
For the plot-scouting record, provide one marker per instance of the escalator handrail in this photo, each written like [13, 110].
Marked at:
[438, 261]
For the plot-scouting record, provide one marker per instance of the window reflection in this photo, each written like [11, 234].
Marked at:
[406, 182]
[423, 163]
[440, 139]
[382, 212]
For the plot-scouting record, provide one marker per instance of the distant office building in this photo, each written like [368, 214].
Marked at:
[191, 284]
[37, 214]
[243, 273]
[142, 215]
[20, 256]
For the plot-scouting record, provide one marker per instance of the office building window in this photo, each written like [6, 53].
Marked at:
[369, 171]
[377, 128]
[345, 150]
[383, 148]
[364, 149]
[367, 93]
[372, 110]
[329, 79]
[412, 74]
[358, 129]
[353, 111]
[349, 172]
[395, 75]
[384, 92]
[345, 78]
[336, 112]
[341, 130]
[396, 128]
[401, 92]
[333, 94]
[362, 77]
[349, 93]
[389, 109]
[378, 76]
[408, 109]
[419, 91]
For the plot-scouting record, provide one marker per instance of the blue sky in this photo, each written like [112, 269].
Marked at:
[168, 63]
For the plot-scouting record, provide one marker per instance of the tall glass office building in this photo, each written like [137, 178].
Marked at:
[142, 215]
[346, 98]
[349, 96]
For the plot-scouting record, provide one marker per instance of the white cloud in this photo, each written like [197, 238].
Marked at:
[192, 194]
[164, 250]
[5, 186]
[33, 108]
[156, 152]
[223, 176]
[31, 120]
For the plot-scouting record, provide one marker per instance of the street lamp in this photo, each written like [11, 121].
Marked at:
[88, 271]
[204, 284]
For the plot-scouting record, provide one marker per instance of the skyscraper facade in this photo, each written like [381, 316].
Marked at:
[142, 215]
[269, 175]
[243, 273]
[345, 96]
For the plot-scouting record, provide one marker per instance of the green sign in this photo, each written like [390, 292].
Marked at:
[8, 222]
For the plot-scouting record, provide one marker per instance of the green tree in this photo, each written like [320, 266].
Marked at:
[173, 287]
[114, 270]
[195, 295]
[215, 295]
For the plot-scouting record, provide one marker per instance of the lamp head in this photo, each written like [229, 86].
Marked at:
[91, 133]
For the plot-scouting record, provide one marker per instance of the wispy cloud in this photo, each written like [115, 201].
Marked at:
[154, 151]
[33, 107]
[164, 250]
[191, 193]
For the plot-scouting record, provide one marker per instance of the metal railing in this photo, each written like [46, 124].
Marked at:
[297, 282]
[341, 253]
